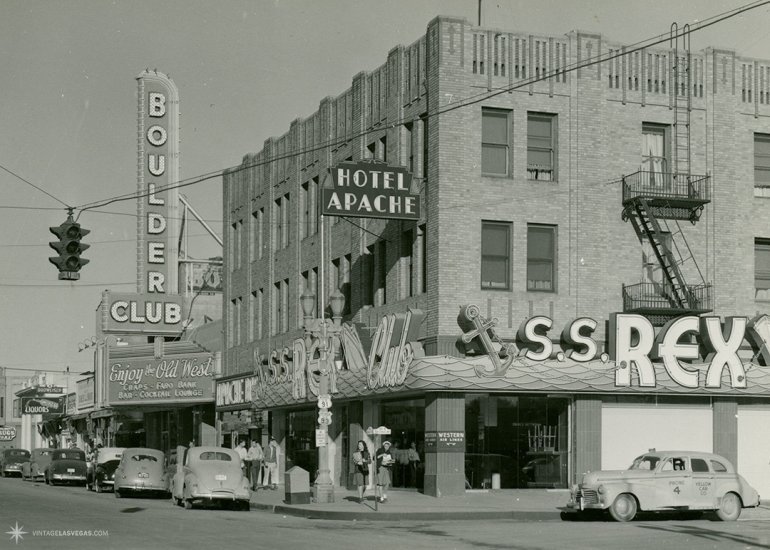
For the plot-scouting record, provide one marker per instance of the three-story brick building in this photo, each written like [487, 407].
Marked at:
[583, 195]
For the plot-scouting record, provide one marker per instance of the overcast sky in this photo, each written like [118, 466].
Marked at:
[244, 69]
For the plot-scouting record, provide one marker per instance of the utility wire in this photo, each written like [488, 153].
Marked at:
[35, 186]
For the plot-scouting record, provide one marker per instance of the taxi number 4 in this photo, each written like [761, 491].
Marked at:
[677, 490]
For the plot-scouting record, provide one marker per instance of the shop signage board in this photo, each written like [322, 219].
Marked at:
[84, 390]
[236, 391]
[445, 442]
[7, 434]
[43, 390]
[370, 190]
[187, 378]
[42, 405]
[200, 277]
[320, 437]
[71, 403]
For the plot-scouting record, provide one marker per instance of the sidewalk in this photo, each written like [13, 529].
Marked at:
[512, 504]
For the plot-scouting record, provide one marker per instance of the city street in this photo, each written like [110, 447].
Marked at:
[68, 513]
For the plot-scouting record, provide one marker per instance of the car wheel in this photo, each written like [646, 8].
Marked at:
[118, 494]
[729, 507]
[624, 508]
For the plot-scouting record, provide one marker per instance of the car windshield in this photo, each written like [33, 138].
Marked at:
[69, 455]
[18, 453]
[645, 462]
[214, 455]
[147, 458]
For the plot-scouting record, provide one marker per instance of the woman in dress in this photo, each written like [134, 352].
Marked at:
[362, 460]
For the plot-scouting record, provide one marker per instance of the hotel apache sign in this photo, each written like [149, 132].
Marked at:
[170, 379]
[370, 190]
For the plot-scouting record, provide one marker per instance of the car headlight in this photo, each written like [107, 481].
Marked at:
[601, 490]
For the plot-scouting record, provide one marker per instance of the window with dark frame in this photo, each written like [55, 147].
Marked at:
[496, 255]
[541, 258]
[655, 155]
[761, 160]
[762, 269]
[495, 141]
[541, 147]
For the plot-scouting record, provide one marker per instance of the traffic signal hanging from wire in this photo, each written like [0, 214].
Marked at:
[69, 247]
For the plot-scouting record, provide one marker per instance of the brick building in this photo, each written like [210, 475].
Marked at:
[556, 186]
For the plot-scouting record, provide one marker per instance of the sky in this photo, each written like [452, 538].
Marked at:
[244, 70]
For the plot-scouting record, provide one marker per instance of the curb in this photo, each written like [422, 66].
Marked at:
[406, 516]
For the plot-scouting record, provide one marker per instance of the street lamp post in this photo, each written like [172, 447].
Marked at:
[321, 330]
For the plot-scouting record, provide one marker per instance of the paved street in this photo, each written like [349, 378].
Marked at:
[156, 523]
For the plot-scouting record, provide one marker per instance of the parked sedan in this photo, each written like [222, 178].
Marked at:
[12, 461]
[667, 480]
[208, 475]
[34, 470]
[67, 466]
[141, 470]
[101, 473]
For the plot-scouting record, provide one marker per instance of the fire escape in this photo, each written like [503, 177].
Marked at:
[657, 198]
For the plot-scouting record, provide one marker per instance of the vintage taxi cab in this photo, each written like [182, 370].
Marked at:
[666, 481]
[210, 475]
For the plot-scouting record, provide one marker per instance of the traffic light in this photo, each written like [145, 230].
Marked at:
[69, 248]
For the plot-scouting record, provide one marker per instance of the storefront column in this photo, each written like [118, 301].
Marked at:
[588, 436]
[444, 470]
[725, 414]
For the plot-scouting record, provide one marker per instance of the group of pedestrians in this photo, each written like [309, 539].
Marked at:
[383, 461]
[260, 466]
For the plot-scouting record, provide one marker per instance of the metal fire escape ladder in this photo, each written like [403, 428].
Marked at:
[647, 227]
[681, 102]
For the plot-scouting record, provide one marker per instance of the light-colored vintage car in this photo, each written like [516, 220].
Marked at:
[12, 461]
[141, 470]
[34, 470]
[210, 475]
[667, 481]
[66, 466]
[101, 470]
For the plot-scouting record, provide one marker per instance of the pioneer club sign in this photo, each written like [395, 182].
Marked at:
[370, 190]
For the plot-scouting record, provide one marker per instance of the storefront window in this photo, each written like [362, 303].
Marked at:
[522, 439]
[300, 441]
[406, 420]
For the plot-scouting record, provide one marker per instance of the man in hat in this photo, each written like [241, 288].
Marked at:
[270, 479]
[385, 461]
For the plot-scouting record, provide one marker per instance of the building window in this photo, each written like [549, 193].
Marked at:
[345, 281]
[495, 255]
[275, 234]
[304, 205]
[541, 255]
[313, 206]
[276, 321]
[408, 148]
[285, 221]
[260, 232]
[233, 246]
[382, 149]
[239, 243]
[655, 162]
[762, 160]
[495, 141]
[382, 273]
[762, 269]
[2, 407]
[423, 237]
[541, 147]
[371, 150]
[260, 312]
[367, 268]
[407, 263]
[424, 140]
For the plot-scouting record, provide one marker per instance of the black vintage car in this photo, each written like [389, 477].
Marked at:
[67, 466]
[101, 473]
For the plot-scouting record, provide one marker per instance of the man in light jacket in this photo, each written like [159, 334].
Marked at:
[270, 479]
[254, 459]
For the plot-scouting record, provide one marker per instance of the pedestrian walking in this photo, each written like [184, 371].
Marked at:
[385, 462]
[270, 479]
[361, 460]
[241, 450]
[254, 459]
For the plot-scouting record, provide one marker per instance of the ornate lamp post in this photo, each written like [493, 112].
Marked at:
[322, 331]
